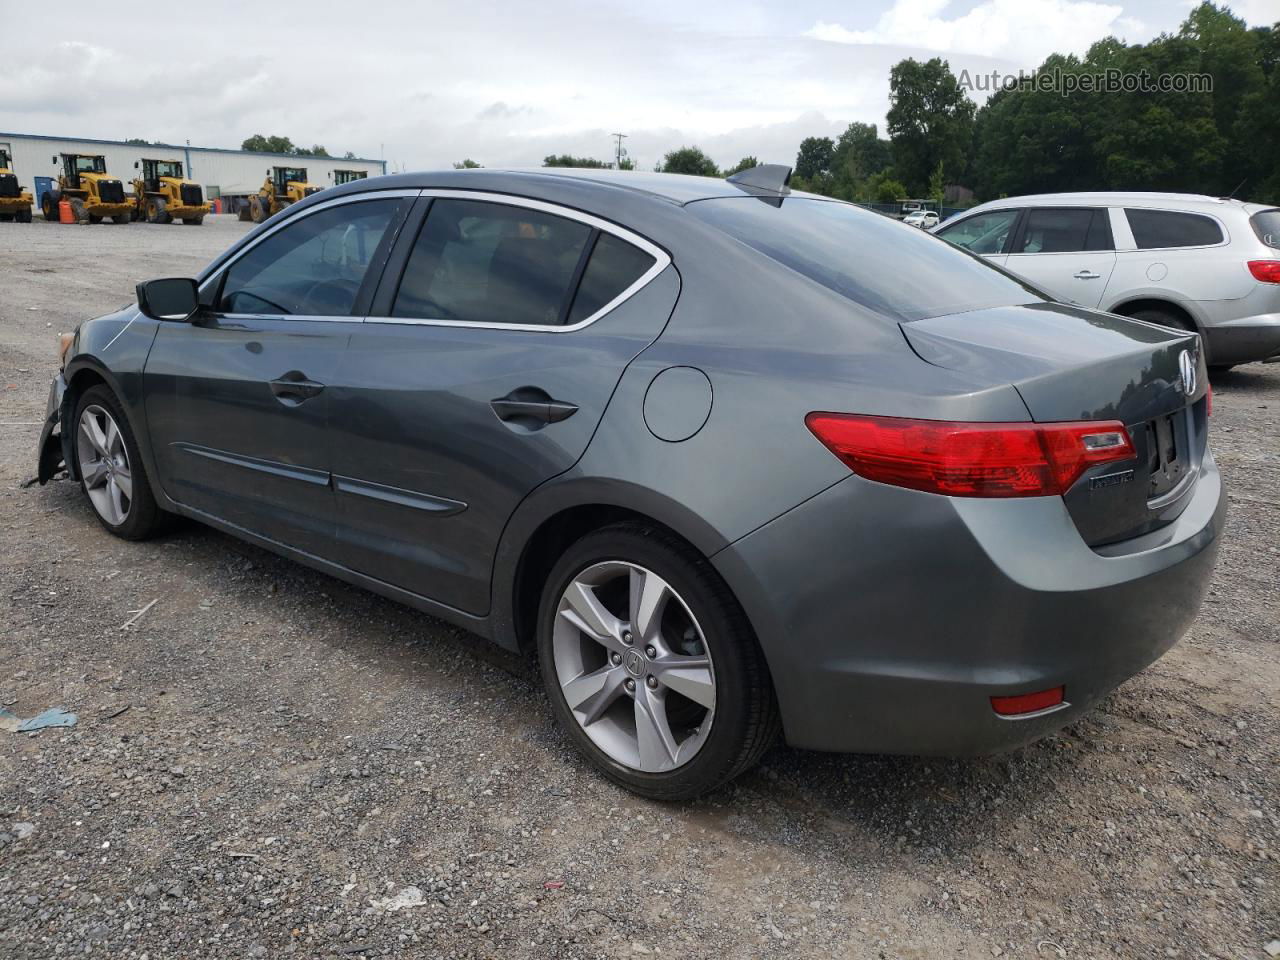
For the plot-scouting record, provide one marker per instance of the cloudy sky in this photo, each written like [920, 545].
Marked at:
[424, 84]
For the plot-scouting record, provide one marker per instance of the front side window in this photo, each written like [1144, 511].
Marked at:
[480, 262]
[897, 271]
[313, 267]
[1160, 229]
[984, 233]
[1065, 230]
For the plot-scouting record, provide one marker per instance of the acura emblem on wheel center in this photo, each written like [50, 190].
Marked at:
[1187, 367]
[635, 663]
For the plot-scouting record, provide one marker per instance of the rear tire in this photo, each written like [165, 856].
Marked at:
[95, 218]
[257, 210]
[49, 207]
[6, 217]
[698, 618]
[23, 216]
[156, 210]
[120, 218]
[77, 210]
[116, 484]
[243, 215]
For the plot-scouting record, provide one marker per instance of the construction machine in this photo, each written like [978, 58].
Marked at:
[15, 203]
[162, 194]
[92, 193]
[348, 176]
[283, 186]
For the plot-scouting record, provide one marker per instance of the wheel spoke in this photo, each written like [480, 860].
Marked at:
[117, 503]
[96, 474]
[591, 694]
[588, 614]
[97, 439]
[112, 438]
[124, 480]
[688, 676]
[653, 733]
[649, 593]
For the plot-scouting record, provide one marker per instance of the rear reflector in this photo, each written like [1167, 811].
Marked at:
[1027, 702]
[1268, 271]
[971, 459]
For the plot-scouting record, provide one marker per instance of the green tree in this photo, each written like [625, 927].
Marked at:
[566, 160]
[689, 160]
[313, 151]
[859, 153]
[937, 184]
[814, 159]
[263, 144]
[467, 164]
[930, 120]
[746, 163]
[882, 188]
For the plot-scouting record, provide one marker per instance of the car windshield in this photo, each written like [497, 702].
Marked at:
[904, 274]
[168, 168]
[90, 165]
[294, 174]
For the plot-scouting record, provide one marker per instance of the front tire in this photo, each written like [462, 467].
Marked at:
[109, 465]
[650, 664]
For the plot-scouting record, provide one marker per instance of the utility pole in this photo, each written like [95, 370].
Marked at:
[617, 157]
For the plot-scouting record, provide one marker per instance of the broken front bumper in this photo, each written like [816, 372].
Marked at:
[51, 454]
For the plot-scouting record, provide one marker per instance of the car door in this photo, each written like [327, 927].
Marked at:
[987, 234]
[1066, 251]
[496, 340]
[238, 400]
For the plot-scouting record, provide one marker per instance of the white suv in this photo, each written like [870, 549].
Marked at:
[1181, 260]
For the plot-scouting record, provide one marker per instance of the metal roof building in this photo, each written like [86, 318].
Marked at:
[221, 172]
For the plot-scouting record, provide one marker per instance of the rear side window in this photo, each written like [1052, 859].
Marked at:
[1065, 230]
[313, 266]
[1267, 226]
[1158, 229]
[895, 270]
[982, 233]
[481, 262]
[614, 266]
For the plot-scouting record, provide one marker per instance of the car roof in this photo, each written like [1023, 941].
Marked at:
[670, 187]
[1192, 201]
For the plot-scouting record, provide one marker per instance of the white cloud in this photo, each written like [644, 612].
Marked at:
[1022, 31]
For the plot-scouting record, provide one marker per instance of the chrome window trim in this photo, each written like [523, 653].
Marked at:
[661, 260]
[326, 205]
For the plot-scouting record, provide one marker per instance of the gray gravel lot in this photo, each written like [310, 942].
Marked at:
[272, 763]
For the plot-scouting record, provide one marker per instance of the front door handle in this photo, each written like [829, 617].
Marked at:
[1087, 275]
[294, 387]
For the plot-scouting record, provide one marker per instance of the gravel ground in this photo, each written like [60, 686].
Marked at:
[271, 763]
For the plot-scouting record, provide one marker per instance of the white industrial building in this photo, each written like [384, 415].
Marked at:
[223, 173]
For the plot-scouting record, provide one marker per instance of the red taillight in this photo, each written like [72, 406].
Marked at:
[971, 459]
[1027, 702]
[1268, 271]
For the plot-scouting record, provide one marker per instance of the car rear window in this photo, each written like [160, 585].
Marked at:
[894, 269]
[1159, 229]
[1267, 226]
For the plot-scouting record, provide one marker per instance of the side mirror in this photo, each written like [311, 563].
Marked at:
[172, 298]
[55, 161]
[135, 164]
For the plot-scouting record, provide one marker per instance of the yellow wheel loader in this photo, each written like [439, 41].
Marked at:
[93, 194]
[283, 186]
[15, 203]
[162, 194]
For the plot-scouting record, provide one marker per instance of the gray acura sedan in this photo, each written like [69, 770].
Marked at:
[732, 460]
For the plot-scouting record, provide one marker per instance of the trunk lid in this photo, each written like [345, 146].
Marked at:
[1068, 363]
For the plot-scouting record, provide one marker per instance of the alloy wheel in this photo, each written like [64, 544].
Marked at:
[634, 666]
[104, 465]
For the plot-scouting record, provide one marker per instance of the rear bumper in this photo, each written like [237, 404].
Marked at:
[108, 209]
[1243, 340]
[10, 204]
[181, 212]
[889, 618]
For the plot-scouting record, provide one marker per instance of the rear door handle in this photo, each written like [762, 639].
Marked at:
[293, 388]
[1087, 275]
[547, 411]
